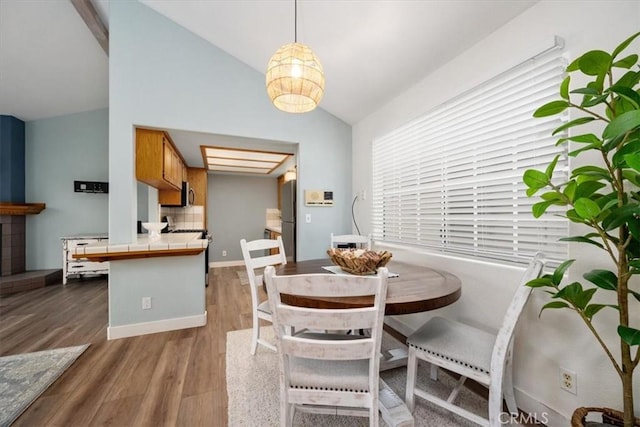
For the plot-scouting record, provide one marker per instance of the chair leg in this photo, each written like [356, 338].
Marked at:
[433, 372]
[411, 378]
[508, 391]
[255, 334]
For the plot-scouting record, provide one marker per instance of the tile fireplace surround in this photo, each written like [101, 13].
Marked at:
[13, 275]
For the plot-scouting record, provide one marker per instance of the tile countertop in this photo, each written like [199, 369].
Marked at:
[168, 241]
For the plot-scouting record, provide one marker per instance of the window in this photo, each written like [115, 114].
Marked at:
[451, 180]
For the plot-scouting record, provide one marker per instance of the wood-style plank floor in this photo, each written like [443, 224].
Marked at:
[166, 379]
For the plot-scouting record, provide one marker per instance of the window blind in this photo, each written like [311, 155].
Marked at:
[451, 180]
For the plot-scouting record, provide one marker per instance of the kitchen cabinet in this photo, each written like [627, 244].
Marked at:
[79, 267]
[158, 162]
[273, 235]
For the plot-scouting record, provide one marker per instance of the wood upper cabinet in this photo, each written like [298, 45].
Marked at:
[158, 163]
[197, 178]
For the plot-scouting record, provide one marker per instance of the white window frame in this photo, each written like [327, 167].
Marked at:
[451, 180]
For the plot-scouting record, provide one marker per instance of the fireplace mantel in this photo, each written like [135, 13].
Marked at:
[11, 208]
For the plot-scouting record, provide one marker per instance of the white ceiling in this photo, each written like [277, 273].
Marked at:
[51, 65]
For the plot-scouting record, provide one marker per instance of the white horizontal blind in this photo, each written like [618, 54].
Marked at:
[452, 179]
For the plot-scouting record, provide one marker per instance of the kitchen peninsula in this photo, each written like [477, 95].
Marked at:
[154, 286]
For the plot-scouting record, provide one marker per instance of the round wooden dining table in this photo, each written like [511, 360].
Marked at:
[415, 289]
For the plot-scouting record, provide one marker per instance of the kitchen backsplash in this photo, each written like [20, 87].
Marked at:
[191, 217]
[272, 218]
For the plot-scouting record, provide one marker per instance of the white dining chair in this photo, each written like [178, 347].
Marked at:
[472, 353]
[349, 240]
[329, 373]
[257, 255]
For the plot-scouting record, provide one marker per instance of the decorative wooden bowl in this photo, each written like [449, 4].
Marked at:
[359, 261]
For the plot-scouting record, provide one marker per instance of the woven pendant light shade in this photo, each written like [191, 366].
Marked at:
[295, 80]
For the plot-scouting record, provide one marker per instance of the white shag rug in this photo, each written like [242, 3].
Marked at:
[253, 393]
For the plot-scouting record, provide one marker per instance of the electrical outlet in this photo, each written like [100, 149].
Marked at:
[363, 195]
[146, 303]
[224, 253]
[568, 381]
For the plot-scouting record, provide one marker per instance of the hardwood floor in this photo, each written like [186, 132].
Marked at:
[171, 379]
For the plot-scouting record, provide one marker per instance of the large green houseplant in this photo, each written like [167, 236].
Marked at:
[604, 197]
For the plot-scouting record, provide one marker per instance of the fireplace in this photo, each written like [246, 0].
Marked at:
[13, 211]
[14, 276]
[13, 245]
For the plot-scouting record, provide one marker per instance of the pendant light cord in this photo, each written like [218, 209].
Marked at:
[295, 21]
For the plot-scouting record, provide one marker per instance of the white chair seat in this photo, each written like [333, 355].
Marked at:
[336, 375]
[471, 353]
[456, 342]
[264, 307]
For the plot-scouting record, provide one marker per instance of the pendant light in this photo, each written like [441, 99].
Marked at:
[295, 80]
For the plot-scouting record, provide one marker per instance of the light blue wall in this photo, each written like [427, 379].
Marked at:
[236, 209]
[164, 76]
[59, 151]
[161, 75]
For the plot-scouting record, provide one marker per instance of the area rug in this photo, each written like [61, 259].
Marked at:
[253, 396]
[24, 377]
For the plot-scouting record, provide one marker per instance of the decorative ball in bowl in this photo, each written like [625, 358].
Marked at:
[154, 229]
[359, 261]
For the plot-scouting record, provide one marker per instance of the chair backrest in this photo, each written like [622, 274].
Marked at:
[504, 340]
[350, 347]
[363, 242]
[260, 259]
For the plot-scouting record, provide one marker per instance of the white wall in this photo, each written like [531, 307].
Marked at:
[58, 151]
[558, 339]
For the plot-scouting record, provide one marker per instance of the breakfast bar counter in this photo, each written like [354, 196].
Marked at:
[169, 244]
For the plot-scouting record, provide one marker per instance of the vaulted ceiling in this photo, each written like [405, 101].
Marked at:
[50, 63]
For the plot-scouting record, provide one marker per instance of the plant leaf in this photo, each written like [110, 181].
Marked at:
[630, 148]
[594, 101]
[551, 108]
[535, 179]
[595, 62]
[551, 167]
[587, 208]
[635, 294]
[564, 87]
[538, 209]
[581, 239]
[570, 190]
[622, 46]
[572, 123]
[586, 91]
[553, 304]
[540, 282]
[587, 188]
[627, 62]
[633, 161]
[592, 309]
[629, 335]
[622, 124]
[619, 216]
[558, 273]
[603, 279]
[627, 93]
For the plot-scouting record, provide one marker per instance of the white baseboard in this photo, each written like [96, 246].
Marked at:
[226, 263]
[124, 331]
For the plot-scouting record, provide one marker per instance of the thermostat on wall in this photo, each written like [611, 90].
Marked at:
[318, 198]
